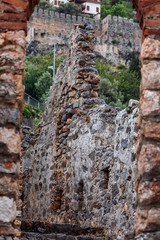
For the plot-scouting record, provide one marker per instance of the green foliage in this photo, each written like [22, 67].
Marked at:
[116, 8]
[30, 111]
[118, 87]
[36, 71]
[44, 4]
[27, 113]
[43, 83]
[115, 41]
[69, 8]
[36, 120]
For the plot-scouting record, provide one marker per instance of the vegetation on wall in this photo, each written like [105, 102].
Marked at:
[38, 78]
[116, 8]
[119, 83]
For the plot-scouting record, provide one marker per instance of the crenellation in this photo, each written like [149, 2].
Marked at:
[115, 18]
[46, 13]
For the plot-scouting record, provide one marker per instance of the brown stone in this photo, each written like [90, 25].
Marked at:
[151, 130]
[149, 193]
[17, 3]
[151, 23]
[151, 10]
[13, 16]
[10, 140]
[150, 49]
[14, 26]
[149, 31]
[147, 220]
[150, 103]
[149, 160]
[8, 186]
[146, 3]
[8, 8]
[151, 76]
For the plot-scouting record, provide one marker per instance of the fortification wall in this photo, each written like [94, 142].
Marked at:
[81, 169]
[120, 37]
[116, 38]
[49, 27]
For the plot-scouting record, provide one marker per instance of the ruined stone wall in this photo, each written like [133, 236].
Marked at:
[81, 168]
[148, 147]
[13, 17]
[116, 38]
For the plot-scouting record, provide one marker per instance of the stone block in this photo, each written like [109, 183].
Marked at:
[151, 129]
[9, 141]
[147, 220]
[149, 161]
[7, 209]
[149, 104]
[149, 193]
[12, 88]
[9, 116]
[7, 186]
[12, 60]
[150, 49]
[151, 76]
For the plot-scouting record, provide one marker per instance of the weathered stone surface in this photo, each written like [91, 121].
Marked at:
[150, 49]
[82, 167]
[10, 141]
[149, 161]
[147, 220]
[150, 103]
[7, 209]
[151, 76]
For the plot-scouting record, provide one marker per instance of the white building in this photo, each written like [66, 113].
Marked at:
[92, 7]
[57, 2]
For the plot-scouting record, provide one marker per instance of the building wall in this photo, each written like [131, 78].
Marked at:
[92, 8]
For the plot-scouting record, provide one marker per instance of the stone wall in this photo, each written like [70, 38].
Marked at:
[81, 167]
[13, 17]
[148, 147]
[49, 27]
[120, 37]
[116, 38]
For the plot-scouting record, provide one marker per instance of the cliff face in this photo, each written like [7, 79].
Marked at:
[81, 167]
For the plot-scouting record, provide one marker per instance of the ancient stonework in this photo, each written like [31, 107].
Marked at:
[13, 16]
[116, 38]
[81, 169]
[148, 147]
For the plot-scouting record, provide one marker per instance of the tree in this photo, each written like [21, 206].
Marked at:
[35, 67]
[69, 8]
[43, 84]
[116, 8]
